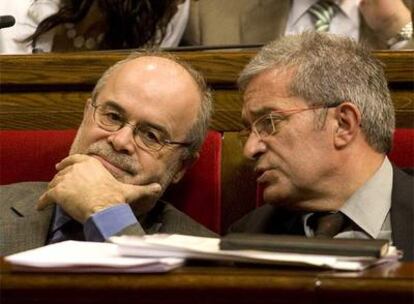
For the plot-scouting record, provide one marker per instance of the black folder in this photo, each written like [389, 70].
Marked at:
[303, 245]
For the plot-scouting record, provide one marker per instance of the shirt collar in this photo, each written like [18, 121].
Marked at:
[347, 7]
[369, 205]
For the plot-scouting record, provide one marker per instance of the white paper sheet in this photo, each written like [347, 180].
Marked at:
[182, 246]
[75, 256]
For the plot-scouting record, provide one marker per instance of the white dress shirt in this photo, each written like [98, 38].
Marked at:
[345, 22]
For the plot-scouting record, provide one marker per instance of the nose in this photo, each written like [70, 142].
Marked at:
[254, 147]
[123, 140]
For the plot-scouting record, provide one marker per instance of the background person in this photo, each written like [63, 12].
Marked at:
[82, 25]
[377, 23]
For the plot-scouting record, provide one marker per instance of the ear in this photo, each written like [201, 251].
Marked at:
[86, 108]
[348, 118]
[88, 103]
[185, 165]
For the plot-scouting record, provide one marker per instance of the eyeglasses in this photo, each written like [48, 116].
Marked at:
[145, 136]
[269, 124]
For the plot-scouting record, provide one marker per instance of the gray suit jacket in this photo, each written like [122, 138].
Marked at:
[269, 219]
[218, 22]
[22, 227]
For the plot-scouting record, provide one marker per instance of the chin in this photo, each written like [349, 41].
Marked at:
[280, 195]
[275, 195]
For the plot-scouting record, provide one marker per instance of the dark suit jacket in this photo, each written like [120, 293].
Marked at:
[269, 219]
[218, 22]
[22, 227]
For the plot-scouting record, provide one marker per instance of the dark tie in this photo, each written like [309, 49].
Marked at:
[322, 13]
[71, 230]
[327, 224]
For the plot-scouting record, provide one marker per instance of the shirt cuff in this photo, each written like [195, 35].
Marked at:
[108, 222]
[399, 45]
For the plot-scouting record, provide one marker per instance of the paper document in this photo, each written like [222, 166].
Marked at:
[75, 256]
[182, 246]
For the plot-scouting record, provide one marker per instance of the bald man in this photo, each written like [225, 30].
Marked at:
[142, 127]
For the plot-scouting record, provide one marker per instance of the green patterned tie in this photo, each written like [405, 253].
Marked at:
[322, 13]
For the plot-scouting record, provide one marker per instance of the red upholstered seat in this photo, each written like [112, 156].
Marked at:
[402, 154]
[31, 155]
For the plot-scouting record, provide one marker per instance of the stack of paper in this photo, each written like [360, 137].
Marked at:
[163, 252]
[191, 247]
[75, 256]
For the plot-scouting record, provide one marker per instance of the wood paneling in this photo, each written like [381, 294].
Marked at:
[220, 68]
[63, 109]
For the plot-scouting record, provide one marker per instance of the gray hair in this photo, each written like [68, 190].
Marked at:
[198, 131]
[328, 70]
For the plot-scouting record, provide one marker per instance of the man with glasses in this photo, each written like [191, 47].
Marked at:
[319, 123]
[142, 128]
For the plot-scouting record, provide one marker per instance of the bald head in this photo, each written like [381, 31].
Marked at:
[174, 75]
[159, 65]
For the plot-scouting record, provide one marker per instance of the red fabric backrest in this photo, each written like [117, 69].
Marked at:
[402, 154]
[31, 155]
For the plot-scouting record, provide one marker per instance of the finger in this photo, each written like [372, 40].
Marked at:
[63, 172]
[70, 160]
[133, 192]
[44, 200]
[58, 177]
[55, 181]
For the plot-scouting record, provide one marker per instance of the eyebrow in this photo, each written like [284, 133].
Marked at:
[255, 114]
[113, 104]
[157, 127]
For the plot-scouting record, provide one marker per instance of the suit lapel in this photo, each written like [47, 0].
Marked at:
[265, 22]
[28, 228]
[402, 212]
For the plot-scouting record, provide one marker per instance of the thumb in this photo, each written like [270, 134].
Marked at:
[137, 192]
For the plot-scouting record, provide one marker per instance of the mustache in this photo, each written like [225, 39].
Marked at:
[122, 161]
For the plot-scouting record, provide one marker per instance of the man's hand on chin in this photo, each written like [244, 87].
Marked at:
[83, 186]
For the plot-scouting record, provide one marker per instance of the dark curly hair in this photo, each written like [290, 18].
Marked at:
[129, 23]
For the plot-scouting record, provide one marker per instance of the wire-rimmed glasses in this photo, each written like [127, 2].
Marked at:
[145, 136]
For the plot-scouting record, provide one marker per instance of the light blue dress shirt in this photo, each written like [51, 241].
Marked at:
[100, 226]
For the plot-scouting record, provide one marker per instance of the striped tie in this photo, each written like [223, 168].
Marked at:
[322, 13]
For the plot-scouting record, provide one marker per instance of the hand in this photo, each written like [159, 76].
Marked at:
[83, 187]
[385, 17]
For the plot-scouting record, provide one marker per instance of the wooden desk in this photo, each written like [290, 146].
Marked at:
[393, 283]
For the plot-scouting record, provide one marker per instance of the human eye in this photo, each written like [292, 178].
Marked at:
[150, 136]
[268, 124]
[264, 126]
[111, 117]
